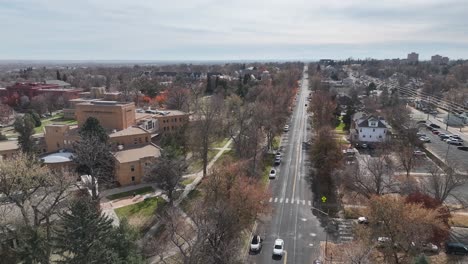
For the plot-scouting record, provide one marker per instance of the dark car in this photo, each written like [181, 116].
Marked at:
[317, 261]
[421, 122]
[277, 161]
[443, 136]
[434, 126]
[456, 248]
[464, 148]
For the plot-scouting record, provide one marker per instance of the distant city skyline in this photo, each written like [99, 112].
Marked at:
[206, 30]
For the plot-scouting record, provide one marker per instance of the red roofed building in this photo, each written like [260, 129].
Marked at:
[15, 91]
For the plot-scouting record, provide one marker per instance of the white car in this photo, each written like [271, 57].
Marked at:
[278, 155]
[419, 153]
[362, 220]
[272, 174]
[256, 243]
[278, 248]
[425, 139]
[286, 128]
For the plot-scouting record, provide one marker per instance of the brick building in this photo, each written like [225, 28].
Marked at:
[14, 92]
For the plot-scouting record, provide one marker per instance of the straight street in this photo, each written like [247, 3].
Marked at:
[291, 218]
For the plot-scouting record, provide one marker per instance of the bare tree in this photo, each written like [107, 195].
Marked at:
[370, 176]
[167, 173]
[94, 158]
[6, 114]
[206, 125]
[405, 226]
[36, 194]
[442, 183]
[178, 98]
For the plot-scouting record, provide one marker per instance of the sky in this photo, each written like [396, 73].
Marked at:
[231, 30]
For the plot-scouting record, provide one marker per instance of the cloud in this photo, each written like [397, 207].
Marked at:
[207, 29]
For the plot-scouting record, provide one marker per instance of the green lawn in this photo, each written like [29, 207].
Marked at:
[276, 142]
[144, 190]
[220, 143]
[228, 154]
[187, 181]
[267, 165]
[56, 119]
[144, 209]
[196, 165]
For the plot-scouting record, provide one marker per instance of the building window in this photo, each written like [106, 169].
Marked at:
[132, 168]
[133, 178]
[146, 139]
[360, 130]
[373, 130]
[380, 136]
[370, 136]
[180, 119]
[58, 145]
[363, 136]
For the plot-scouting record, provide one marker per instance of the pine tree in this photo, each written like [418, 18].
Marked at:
[85, 234]
[64, 77]
[92, 128]
[58, 75]
[25, 128]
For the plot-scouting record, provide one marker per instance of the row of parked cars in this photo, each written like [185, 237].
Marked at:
[450, 247]
[451, 139]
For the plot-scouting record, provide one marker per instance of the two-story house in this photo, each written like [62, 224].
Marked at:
[369, 129]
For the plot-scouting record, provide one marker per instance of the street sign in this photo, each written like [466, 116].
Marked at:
[324, 199]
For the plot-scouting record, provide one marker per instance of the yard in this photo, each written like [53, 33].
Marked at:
[142, 214]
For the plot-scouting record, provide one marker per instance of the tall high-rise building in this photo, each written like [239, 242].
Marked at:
[413, 57]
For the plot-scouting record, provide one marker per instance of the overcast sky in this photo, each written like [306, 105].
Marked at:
[229, 30]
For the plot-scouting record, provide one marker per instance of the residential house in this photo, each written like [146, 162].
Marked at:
[369, 129]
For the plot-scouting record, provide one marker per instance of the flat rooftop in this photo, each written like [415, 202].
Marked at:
[135, 154]
[9, 145]
[128, 131]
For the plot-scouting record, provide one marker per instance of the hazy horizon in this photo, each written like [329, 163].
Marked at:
[205, 30]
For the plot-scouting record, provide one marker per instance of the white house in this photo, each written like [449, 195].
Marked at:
[369, 129]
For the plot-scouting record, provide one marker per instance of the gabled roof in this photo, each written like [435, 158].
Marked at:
[365, 122]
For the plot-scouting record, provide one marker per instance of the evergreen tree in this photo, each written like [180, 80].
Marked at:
[92, 128]
[421, 260]
[58, 75]
[85, 234]
[64, 77]
[25, 128]
[384, 97]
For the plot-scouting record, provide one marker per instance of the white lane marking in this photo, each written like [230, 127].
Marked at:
[292, 200]
[276, 199]
[312, 234]
[298, 201]
[303, 202]
[281, 200]
[310, 204]
[271, 199]
[286, 200]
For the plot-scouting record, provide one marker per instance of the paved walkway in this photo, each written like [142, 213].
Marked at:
[199, 176]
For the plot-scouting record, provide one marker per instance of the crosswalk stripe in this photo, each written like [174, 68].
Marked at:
[281, 200]
[310, 204]
[271, 199]
[292, 200]
[276, 199]
[286, 200]
[303, 202]
[298, 201]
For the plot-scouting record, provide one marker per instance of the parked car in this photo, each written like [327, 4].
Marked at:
[272, 174]
[443, 136]
[362, 220]
[429, 127]
[286, 128]
[256, 243]
[429, 247]
[420, 134]
[463, 148]
[382, 241]
[457, 136]
[435, 132]
[456, 248]
[421, 122]
[277, 161]
[278, 155]
[317, 261]
[434, 126]
[454, 142]
[425, 139]
[419, 153]
[278, 248]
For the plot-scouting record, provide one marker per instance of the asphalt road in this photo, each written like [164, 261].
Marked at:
[291, 218]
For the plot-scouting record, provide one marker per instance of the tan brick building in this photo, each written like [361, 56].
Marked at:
[131, 163]
[170, 121]
[8, 148]
[111, 114]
